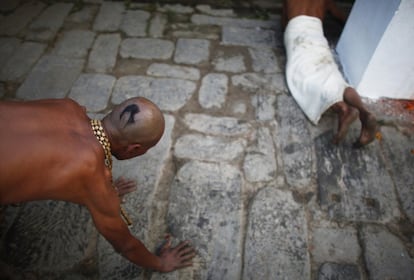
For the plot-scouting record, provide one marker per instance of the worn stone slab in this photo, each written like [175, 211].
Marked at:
[264, 103]
[385, 255]
[51, 77]
[157, 25]
[109, 17]
[192, 51]
[209, 148]
[147, 171]
[7, 47]
[48, 236]
[260, 161]
[329, 271]
[175, 8]
[173, 71]
[354, 184]
[49, 22]
[294, 143]
[235, 22]
[93, 91]
[102, 58]
[168, 94]
[234, 64]
[401, 161]
[199, 195]
[213, 90]
[226, 126]
[253, 81]
[85, 15]
[146, 48]
[337, 245]
[206, 9]
[276, 238]
[236, 36]
[134, 23]
[75, 43]
[21, 61]
[15, 22]
[264, 60]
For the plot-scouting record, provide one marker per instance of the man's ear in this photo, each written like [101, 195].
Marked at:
[133, 147]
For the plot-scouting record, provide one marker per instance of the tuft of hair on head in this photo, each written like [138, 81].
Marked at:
[138, 120]
[127, 116]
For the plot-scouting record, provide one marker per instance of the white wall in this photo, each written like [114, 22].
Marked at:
[375, 48]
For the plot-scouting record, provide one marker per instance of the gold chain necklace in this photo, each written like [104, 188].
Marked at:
[100, 134]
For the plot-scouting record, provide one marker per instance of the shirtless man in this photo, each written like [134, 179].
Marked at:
[312, 75]
[51, 150]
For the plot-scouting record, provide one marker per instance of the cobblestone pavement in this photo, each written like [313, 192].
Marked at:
[260, 192]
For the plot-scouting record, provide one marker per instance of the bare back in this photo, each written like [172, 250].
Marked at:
[46, 147]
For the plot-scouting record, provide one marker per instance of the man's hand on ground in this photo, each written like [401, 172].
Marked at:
[124, 186]
[173, 258]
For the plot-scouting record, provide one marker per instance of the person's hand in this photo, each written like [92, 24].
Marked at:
[124, 186]
[177, 257]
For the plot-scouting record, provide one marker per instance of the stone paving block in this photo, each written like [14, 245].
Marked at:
[175, 8]
[234, 22]
[48, 23]
[206, 9]
[208, 148]
[213, 90]
[226, 126]
[146, 48]
[337, 245]
[173, 71]
[354, 184]
[330, 271]
[75, 43]
[192, 51]
[168, 94]
[134, 23]
[254, 81]
[85, 15]
[7, 47]
[264, 103]
[385, 255]
[236, 36]
[146, 170]
[93, 91]
[157, 25]
[51, 77]
[234, 64]
[48, 236]
[102, 58]
[21, 61]
[260, 161]
[199, 195]
[264, 60]
[401, 161]
[15, 22]
[109, 17]
[276, 238]
[294, 143]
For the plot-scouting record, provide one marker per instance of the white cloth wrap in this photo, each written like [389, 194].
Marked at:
[312, 74]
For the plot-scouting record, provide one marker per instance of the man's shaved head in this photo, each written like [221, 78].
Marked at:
[136, 121]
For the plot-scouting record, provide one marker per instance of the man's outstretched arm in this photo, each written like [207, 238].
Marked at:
[110, 224]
